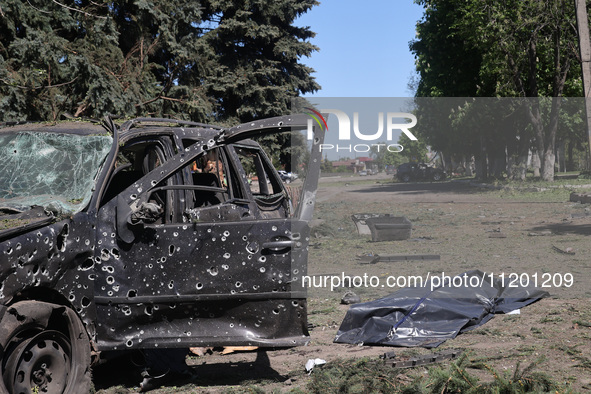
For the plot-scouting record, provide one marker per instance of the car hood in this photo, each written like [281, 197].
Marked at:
[13, 221]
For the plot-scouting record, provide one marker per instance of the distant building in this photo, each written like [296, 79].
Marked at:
[354, 165]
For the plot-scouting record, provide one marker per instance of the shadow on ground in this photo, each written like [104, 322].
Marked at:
[117, 375]
[423, 188]
[564, 228]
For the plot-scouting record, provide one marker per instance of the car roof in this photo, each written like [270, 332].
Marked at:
[180, 129]
[158, 126]
[79, 127]
[201, 131]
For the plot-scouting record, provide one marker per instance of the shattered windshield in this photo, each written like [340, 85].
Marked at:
[56, 171]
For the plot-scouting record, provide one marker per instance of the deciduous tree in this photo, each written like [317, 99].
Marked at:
[511, 48]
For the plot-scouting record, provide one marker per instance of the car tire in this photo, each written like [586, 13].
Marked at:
[405, 178]
[437, 176]
[44, 347]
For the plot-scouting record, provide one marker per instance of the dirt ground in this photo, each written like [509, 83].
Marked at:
[524, 232]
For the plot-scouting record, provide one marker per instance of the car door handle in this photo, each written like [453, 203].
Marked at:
[278, 245]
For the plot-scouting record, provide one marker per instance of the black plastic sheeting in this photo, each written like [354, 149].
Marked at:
[427, 317]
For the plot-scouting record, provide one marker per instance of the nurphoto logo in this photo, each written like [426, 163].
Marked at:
[392, 120]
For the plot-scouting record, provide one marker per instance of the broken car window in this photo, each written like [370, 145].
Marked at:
[135, 160]
[203, 186]
[56, 171]
[210, 163]
[266, 189]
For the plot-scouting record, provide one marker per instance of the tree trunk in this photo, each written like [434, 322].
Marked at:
[535, 163]
[443, 163]
[522, 160]
[480, 167]
[498, 165]
[511, 163]
[482, 162]
[521, 169]
[468, 165]
[569, 162]
[549, 158]
[517, 167]
[548, 166]
[561, 157]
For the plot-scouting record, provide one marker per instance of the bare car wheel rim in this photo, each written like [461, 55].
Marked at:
[41, 362]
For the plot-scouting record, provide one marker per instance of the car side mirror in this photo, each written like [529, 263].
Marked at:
[148, 212]
[128, 219]
[123, 213]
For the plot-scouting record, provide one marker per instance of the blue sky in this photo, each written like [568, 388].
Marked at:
[363, 47]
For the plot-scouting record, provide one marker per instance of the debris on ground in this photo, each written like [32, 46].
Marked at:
[389, 228]
[421, 239]
[350, 298]
[563, 251]
[497, 235]
[360, 220]
[311, 363]
[450, 354]
[583, 198]
[232, 349]
[540, 234]
[376, 258]
[382, 226]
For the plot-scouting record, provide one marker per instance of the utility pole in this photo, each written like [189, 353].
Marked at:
[585, 51]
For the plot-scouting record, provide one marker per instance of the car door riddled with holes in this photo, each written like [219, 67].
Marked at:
[204, 249]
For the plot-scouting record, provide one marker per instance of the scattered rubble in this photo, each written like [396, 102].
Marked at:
[563, 251]
[350, 298]
[375, 258]
[311, 363]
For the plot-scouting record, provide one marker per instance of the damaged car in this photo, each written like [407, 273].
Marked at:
[419, 172]
[144, 235]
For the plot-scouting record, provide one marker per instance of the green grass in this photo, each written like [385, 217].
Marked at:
[372, 376]
[552, 319]
[582, 323]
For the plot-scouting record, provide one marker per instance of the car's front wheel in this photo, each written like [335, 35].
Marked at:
[405, 178]
[44, 348]
[437, 176]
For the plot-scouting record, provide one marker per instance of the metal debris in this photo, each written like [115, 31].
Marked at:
[445, 355]
[564, 251]
[375, 258]
[360, 220]
[389, 228]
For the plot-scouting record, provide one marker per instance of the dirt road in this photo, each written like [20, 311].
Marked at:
[503, 232]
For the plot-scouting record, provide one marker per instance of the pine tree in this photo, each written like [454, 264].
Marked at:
[252, 56]
[219, 61]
